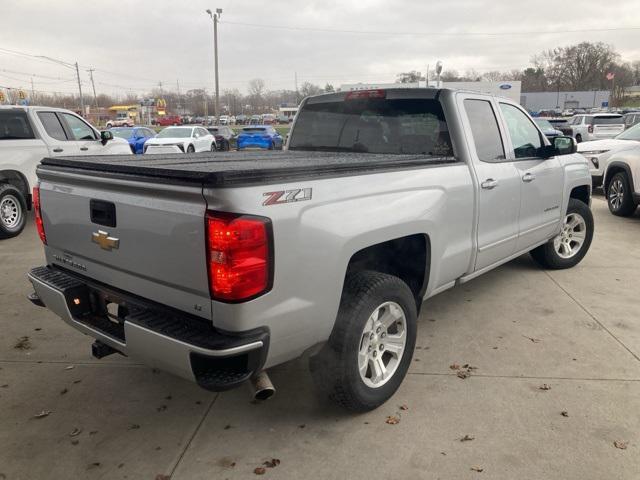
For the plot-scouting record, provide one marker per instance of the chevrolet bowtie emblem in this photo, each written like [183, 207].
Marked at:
[104, 240]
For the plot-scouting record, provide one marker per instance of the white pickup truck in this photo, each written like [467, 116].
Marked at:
[220, 267]
[27, 135]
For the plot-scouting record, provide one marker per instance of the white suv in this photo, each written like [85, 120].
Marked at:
[595, 127]
[28, 134]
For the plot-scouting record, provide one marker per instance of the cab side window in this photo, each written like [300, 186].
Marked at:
[485, 131]
[52, 125]
[79, 129]
[525, 137]
[14, 125]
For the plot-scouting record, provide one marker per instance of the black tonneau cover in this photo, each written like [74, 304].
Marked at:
[241, 168]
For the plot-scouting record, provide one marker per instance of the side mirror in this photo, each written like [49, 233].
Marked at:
[105, 136]
[565, 145]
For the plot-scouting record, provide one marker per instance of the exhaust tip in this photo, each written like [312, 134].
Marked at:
[261, 386]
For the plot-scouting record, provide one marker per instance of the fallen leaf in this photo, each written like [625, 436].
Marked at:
[564, 413]
[454, 366]
[93, 432]
[544, 386]
[63, 391]
[76, 432]
[273, 463]
[392, 420]
[120, 465]
[23, 343]
[77, 381]
[534, 340]
[463, 374]
[161, 408]
[467, 438]
[69, 367]
[5, 385]
[227, 427]
[162, 476]
[93, 465]
[443, 453]
[477, 469]
[42, 414]
[301, 425]
[404, 407]
[260, 470]
[37, 329]
[75, 441]
[620, 445]
[168, 397]
[469, 367]
[134, 426]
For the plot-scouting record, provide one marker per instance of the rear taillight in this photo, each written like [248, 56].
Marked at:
[239, 256]
[590, 129]
[362, 94]
[38, 212]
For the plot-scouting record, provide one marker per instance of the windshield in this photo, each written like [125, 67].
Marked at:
[544, 124]
[122, 132]
[632, 133]
[175, 133]
[373, 125]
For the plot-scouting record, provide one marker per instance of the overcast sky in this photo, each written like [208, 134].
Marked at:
[136, 44]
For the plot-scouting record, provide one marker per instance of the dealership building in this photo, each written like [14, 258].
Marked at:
[536, 101]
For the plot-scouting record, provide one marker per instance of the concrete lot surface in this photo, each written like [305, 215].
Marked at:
[542, 343]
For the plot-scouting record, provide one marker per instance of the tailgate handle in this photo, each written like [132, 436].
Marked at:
[103, 213]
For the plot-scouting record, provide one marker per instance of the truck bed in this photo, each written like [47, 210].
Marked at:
[242, 168]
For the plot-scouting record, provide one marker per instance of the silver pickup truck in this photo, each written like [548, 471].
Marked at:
[216, 267]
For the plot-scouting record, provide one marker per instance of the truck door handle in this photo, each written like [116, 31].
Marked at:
[84, 149]
[489, 184]
[58, 150]
[528, 177]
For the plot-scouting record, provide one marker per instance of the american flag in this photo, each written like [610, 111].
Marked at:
[611, 76]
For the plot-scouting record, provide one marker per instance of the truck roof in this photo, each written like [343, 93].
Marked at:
[240, 168]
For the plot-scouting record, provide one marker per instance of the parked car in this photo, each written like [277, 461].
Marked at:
[216, 271]
[120, 122]
[225, 137]
[268, 119]
[631, 119]
[595, 127]
[166, 120]
[255, 120]
[224, 120]
[183, 139]
[547, 128]
[621, 181]
[232, 120]
[259, 136]
[27, 134]
[598, 152]
[241, 119]
[136, 136]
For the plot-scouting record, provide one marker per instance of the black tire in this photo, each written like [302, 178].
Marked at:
[547, 256]
[191, 149]
[578, 138]
[619, 196]
[227, 146]
[213, 147]
[13, 211]
[335, 367]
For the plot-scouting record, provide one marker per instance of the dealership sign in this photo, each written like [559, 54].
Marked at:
[505, 86]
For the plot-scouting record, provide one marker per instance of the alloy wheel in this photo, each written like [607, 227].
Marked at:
[572, 236]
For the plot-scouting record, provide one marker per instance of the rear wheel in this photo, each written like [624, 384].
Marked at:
[619, 196]
[13, 211]
[372, 342]
[213, 146]
[568, 248]
[578, 138]
[190, 149]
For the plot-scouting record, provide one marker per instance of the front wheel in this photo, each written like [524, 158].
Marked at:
[568, 248]
[13, 211]
[619, 196]
[191, 149]
[213, 147]
[370, 348]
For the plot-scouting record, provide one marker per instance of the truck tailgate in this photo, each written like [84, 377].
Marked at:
[153, 247]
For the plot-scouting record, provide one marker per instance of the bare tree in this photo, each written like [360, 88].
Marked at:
[256, 87]
[409, 77]
[307, 89]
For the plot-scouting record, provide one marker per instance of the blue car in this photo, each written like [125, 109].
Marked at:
[136, 136]
[259, 136]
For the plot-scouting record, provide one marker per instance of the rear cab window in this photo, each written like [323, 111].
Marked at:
[608, 120]
[52, 125]
[485, 130]
[375, 121]
[14, 125]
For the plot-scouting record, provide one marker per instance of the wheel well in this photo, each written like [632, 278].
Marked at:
[582, 193]
[18, 180]
[407, 258]
[611, 171]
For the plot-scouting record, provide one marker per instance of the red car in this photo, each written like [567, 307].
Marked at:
[166, 120]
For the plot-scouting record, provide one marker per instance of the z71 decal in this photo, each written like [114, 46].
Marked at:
[287, 196]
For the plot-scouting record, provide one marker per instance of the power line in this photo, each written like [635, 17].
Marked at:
[433, 34]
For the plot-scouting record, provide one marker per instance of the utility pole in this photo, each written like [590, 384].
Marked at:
[33, 92]
[93, 85]
[295, 82]
[216, 17]
[179, 99]
[80, 90]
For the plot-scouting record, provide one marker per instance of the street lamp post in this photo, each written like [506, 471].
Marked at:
[216, 17]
